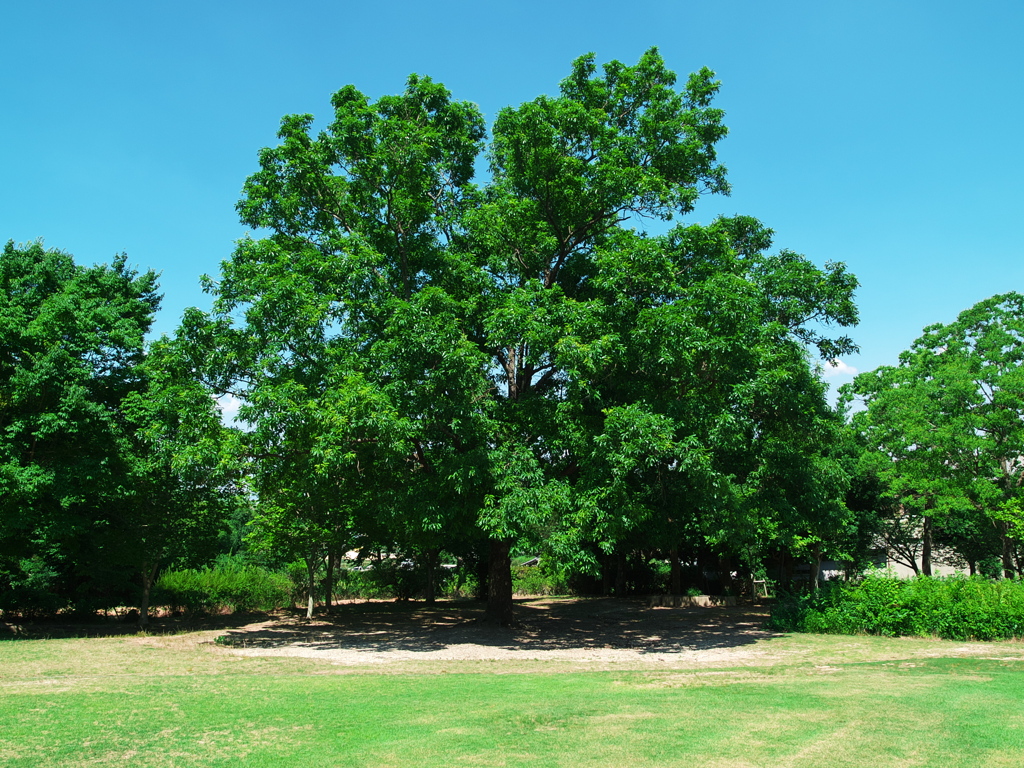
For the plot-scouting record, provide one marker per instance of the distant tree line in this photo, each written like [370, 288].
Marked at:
[441, 368]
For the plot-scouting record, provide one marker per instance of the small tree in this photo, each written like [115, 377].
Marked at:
[947, 423]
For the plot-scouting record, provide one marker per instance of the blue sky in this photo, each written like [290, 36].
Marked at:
[885, 135]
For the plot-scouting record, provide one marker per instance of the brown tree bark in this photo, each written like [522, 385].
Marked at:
[725, 573]
[816, 570]
[620, 573]
[675, 572]
[499, 583]
[1006, 554]
[332, 562]
[148, 579]
[430, 556]
[310, 585]
[926, 547]
[607, 575]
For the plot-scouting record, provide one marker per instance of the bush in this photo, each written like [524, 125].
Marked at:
[460, 582]
[537, 580]
[225, 586]
[953, 608]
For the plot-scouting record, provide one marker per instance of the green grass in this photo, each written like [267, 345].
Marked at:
[177, 702]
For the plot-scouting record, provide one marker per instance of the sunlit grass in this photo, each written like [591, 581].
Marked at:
[180, 701]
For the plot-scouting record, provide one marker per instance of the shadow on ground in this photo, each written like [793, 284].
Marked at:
[62, 626]
[543, 625]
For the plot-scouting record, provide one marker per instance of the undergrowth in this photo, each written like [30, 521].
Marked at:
[221, 587]
[952, 608]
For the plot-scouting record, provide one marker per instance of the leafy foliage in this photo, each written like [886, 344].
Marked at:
[953, 608]
[109, 456]
[224, 586]
[427, 363]
[538, 580]
[945, 427]
[71, 339]
[430, 363]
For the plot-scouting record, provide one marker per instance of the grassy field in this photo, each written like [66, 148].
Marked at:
[812, 701]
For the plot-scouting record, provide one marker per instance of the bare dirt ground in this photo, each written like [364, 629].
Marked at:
[567, 634]
[552, 634]
[595, 630]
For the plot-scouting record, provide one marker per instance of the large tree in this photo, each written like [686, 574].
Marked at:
[710, 429]
[181, 482]
[502, 330]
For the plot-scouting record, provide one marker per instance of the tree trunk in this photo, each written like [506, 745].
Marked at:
[620, 573]
[926, 547]
[481, 569]
[332, 561]
[675, 572]
[310, 585]
[725, 573]
[1006, 557]
[148, 579]
[816, 569]
[430, 556]
[499, 583]
[607, 577]
[785, 571]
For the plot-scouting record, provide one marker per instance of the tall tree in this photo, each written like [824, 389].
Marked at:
[71, 339]
[350, 364]
[567, 173]
[711, 427]
[496, 325]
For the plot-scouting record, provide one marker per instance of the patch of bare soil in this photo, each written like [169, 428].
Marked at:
[595, 632]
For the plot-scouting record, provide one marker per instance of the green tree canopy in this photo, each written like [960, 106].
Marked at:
[98, 482]
[71, 339]
[947, 423]
[516, 359]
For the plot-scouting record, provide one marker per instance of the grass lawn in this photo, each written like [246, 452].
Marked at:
[832, 702]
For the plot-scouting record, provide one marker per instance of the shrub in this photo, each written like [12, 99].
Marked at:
[537, 580]
[954, 608]
[225, 586]
[460, 582]
[380, 580]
